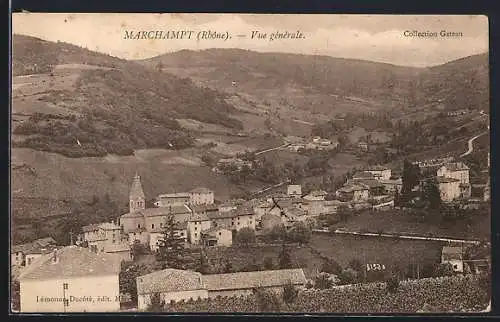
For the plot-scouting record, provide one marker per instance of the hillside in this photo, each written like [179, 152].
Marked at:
[331, 86]
[109, 105]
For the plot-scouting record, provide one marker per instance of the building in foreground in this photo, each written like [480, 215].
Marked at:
[181, 285]
[72, 279]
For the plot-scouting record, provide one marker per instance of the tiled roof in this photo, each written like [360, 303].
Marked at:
[317, 193]
[198, 217]
[136, 189]
[169, 280]
[72, 261]
[174, 195]
[364, 175]
[201, 190]
[39, 246]
[160, 211]
[441, 179]
[377, 168]
[353, 187]
[249, 280]
[456, 166]
[392, 181]
[371, 183]
[89, 228]
[202, 208]
[109, 226]
[213, 231]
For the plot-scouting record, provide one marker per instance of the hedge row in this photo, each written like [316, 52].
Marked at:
[447, 294]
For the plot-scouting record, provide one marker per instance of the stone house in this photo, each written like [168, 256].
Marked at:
[171, 284]
[355, 192]
[217, 236]
[453, 255]
[380, 172]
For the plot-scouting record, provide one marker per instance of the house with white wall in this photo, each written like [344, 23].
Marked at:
[172, 285]
[72, 279]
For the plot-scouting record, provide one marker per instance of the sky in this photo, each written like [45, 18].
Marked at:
[379, 38]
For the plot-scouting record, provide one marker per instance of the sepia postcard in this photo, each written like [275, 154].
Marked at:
[250, 163]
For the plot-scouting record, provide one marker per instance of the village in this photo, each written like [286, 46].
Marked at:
[91, 265]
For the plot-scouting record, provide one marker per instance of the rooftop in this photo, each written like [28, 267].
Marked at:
[441, 179]
[174, 195]
[160, 211]
[249, 280]
[363, 175]
[350, 187]
[72, 261]
[169, 280]
[117, 247]
[89, 228]
[39, 246]
[109, 226]
[199, 217]
[456, 166]
[377, 168]
[136, 189]
[201, 190]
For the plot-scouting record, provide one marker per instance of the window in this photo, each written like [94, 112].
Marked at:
[220, 233]
[152, 226]
[195, 228]
[195, 234]
[138, 225]
[65, 286]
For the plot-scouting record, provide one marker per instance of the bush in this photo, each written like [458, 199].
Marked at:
[457, 293]
[323, 281]
[290, 293]
[392, 284]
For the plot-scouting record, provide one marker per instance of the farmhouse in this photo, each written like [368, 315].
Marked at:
[25, 254]
[380, 172]
[177, 285]
[243, 283]
[195, 225]
[171, 285]
[217, 237]
[294, 190]
[353, 192]
[449, 188]
[71, 279]
[458, 171]
[173, 199]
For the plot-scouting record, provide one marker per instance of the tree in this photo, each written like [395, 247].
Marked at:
[156, 304]
[127, 277]
[207, 159]
[171, 252]
[392, 284]
[245, 236]
[331, 267]
[432, 195]
[137, 249]
[300, 233]
[285, 258]
[410, 178]
[268, 263]
[348, 276]
[228, 267]
[204, 266]
[267, 301]
[252, 267]
[443, 269]
[290, 293]
[356, 265]
[323, 281]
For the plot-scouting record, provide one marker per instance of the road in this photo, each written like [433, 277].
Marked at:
[272, 149]
[470, 144]
[269, 188]
[442, 239]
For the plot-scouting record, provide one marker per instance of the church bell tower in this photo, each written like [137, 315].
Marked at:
[137, 199]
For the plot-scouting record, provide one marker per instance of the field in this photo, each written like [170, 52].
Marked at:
[375, 250]
[241, 257]
[37, 174]
[394, 221]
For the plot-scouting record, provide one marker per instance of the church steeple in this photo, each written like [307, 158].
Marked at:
[137, 199]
